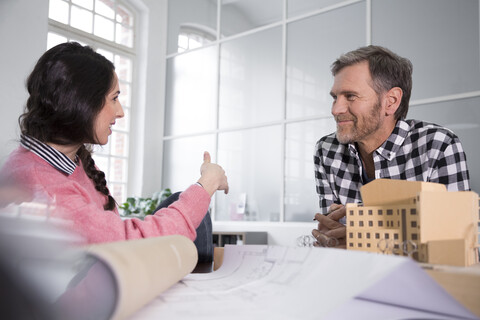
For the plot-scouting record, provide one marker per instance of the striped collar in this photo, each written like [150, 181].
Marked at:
[54, 157]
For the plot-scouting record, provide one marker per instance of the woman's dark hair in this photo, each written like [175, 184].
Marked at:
[67, 91]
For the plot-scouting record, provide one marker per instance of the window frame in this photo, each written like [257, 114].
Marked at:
[96, 42]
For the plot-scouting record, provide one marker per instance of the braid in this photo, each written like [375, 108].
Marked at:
[97, 176]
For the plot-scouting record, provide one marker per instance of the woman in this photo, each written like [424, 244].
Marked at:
[73, 103]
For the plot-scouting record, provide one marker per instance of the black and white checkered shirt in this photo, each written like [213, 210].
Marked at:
[416, 151]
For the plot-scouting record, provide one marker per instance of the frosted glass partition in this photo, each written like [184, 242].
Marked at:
[251, 79]
[301, 200]
[311, 49]
[441, 39]
[243, 15]
[252, 160]
[182, 159]
[198, 16]
[463, 118]
[191, 92]
[300, 7]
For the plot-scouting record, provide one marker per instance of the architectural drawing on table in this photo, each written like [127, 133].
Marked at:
[419, 219]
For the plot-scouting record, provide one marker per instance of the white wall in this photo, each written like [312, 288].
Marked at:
[23, 38]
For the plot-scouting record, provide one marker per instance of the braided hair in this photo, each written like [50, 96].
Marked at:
[67, 90]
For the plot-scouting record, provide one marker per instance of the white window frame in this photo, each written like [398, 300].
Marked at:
[97, 42]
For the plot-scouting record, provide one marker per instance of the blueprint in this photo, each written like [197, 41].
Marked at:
[275, 282]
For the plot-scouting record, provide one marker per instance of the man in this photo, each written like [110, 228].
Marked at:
[371, 92]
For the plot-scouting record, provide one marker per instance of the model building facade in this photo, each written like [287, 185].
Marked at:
[419, 219]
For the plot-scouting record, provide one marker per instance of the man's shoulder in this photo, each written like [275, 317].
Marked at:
[328, 142]
[425, 128]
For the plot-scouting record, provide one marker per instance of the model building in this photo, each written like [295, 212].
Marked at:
[419, 219]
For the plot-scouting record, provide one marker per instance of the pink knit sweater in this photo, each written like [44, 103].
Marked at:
[78, 202]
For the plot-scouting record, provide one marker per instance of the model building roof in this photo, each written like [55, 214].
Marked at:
[389, 191]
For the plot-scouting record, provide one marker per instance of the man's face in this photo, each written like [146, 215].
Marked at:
[356, 106]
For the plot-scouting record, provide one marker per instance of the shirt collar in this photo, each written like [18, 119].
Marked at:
[391, 146]
[54, 157]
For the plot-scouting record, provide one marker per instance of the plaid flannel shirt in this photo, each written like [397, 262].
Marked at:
[416, 151]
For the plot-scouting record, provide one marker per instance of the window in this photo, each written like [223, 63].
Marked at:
[107, 19]
[193, 37]
[108, 27]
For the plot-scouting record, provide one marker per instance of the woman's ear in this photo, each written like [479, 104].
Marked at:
[392, 99]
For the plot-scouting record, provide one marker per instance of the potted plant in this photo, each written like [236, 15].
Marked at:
[139, 207]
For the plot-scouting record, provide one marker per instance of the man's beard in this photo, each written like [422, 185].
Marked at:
[371, 123]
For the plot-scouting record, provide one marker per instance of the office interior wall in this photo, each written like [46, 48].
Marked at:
[23, 38]
[440, 37]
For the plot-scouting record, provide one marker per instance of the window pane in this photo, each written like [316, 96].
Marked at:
[254, 173]
[182, 42]
[123, 123]
[125, 96]
[82, 19]
[124, 36]
[54, 39]
[106, 54]
[118, 170]
[188, 13]
[119, 144]
[101, 150]
[309, 79]
[105, 8]
[251, 83]
[463, 118]
[104, 28]
[243, 15]
[124, 16]
[87, 4]
[123, 67]
[101, 163]
[195, 73]
[118, 192]
[298, 7]
[301, 200]
[451, 35]
[58, 10]
[182, 159]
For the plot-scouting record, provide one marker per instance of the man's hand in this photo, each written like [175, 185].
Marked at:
[330, 232]
[213, 177]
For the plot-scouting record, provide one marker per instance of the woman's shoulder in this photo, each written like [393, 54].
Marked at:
[24, 166]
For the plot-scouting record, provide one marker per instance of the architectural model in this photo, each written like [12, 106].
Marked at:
[419, 219]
